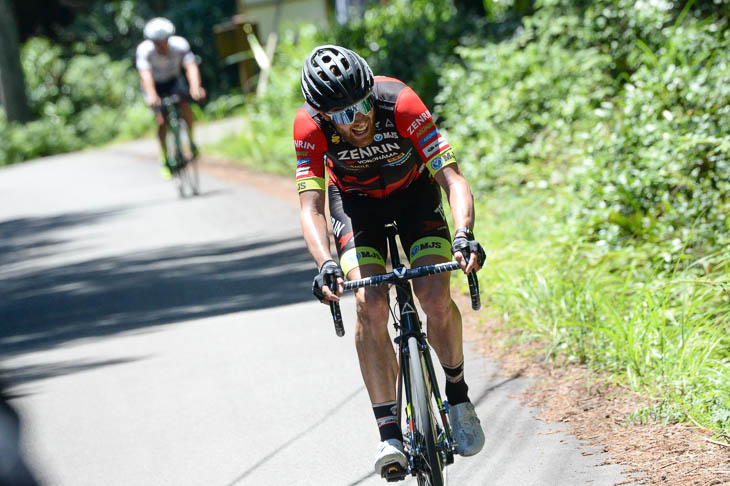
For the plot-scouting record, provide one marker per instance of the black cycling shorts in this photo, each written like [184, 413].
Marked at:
[173, 86]
[166, 88]
[358, 223]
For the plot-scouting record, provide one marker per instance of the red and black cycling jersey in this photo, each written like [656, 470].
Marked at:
[406, 142]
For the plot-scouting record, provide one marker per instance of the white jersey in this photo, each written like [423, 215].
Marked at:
[164, 68]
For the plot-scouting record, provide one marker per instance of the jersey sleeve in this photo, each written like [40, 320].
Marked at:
[183, 46]
[310, 145]
[141, 57]
[414, 121]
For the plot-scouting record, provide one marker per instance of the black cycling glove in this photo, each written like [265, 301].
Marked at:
[329, 272]
[466, 245]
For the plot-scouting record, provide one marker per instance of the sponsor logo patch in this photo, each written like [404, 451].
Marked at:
[366, 152]
[423, 117]
[336, 226]
[366, 254]
[388, 124]
[428, 126]
[435, 147]
[335, 138]
[302, 162]
[378, 137]
[425, 246]
[398, 159]
[303, 144]
[437, 163]
[433, 133]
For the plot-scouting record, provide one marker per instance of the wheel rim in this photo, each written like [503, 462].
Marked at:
[423, 415]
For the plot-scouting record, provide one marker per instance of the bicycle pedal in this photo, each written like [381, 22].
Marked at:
[393, 473]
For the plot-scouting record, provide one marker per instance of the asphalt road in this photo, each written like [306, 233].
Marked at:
[151, 340]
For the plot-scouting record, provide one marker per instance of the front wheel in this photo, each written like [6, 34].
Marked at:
[186, 174]
[425, 427]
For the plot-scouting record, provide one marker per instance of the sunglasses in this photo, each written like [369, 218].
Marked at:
[347, 116]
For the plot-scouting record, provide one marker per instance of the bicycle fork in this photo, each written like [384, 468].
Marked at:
[445, 437]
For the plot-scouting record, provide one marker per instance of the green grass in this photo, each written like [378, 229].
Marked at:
[260, 150]
[666, 336]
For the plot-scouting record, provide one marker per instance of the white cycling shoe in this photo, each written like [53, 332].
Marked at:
[390, 459]
[466, 428]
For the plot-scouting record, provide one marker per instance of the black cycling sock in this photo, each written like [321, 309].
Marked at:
[456, 388]
[385, 414]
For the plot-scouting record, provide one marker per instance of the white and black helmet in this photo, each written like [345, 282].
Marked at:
[158, 29]
[334, 77]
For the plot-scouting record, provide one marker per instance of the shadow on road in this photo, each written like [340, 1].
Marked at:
[25, 238]
[45, 307]
[27, 374]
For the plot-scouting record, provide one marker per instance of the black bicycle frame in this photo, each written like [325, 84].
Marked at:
[173, 119]
[410, 326]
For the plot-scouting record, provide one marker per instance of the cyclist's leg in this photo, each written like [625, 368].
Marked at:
[360, 241]
[180, 87]
[161, 121]
[443, 319]
[378, 363]
[187, 115]
[425, 235]
[445, 335]
[163, 88]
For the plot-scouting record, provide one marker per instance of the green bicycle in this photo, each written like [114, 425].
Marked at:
[184, 164]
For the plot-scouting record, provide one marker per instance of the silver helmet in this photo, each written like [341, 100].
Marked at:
[158, 29]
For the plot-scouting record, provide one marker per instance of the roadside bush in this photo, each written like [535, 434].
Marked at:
[77, 102]
[267, 142]
[660, 173]
[35, 139]
[520, 110]
[597, 137]
[410, 40]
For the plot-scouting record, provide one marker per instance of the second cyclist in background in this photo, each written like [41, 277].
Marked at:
[161, 59]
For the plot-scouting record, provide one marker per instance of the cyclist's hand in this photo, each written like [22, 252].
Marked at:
[463, 246]
[197, 93]
[329, 272]
[154, 101]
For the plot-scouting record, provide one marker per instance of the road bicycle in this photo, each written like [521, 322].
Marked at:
[184, 164]
[428, 441]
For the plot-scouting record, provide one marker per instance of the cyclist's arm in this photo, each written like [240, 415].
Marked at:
[148, 85]
[192, 73]
[461, 202]
[310, 146]
[314, 225]
[189, 65]
[414, 121]
[314, 228]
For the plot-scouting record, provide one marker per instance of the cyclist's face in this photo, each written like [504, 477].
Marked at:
[162, 47]
[360, 132]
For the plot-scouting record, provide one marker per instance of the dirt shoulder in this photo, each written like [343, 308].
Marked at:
[598, 412]
[595, 410]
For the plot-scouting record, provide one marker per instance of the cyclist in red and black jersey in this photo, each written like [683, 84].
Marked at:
[386, 161]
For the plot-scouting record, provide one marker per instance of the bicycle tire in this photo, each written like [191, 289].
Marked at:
[424, 420]
[189, 183]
